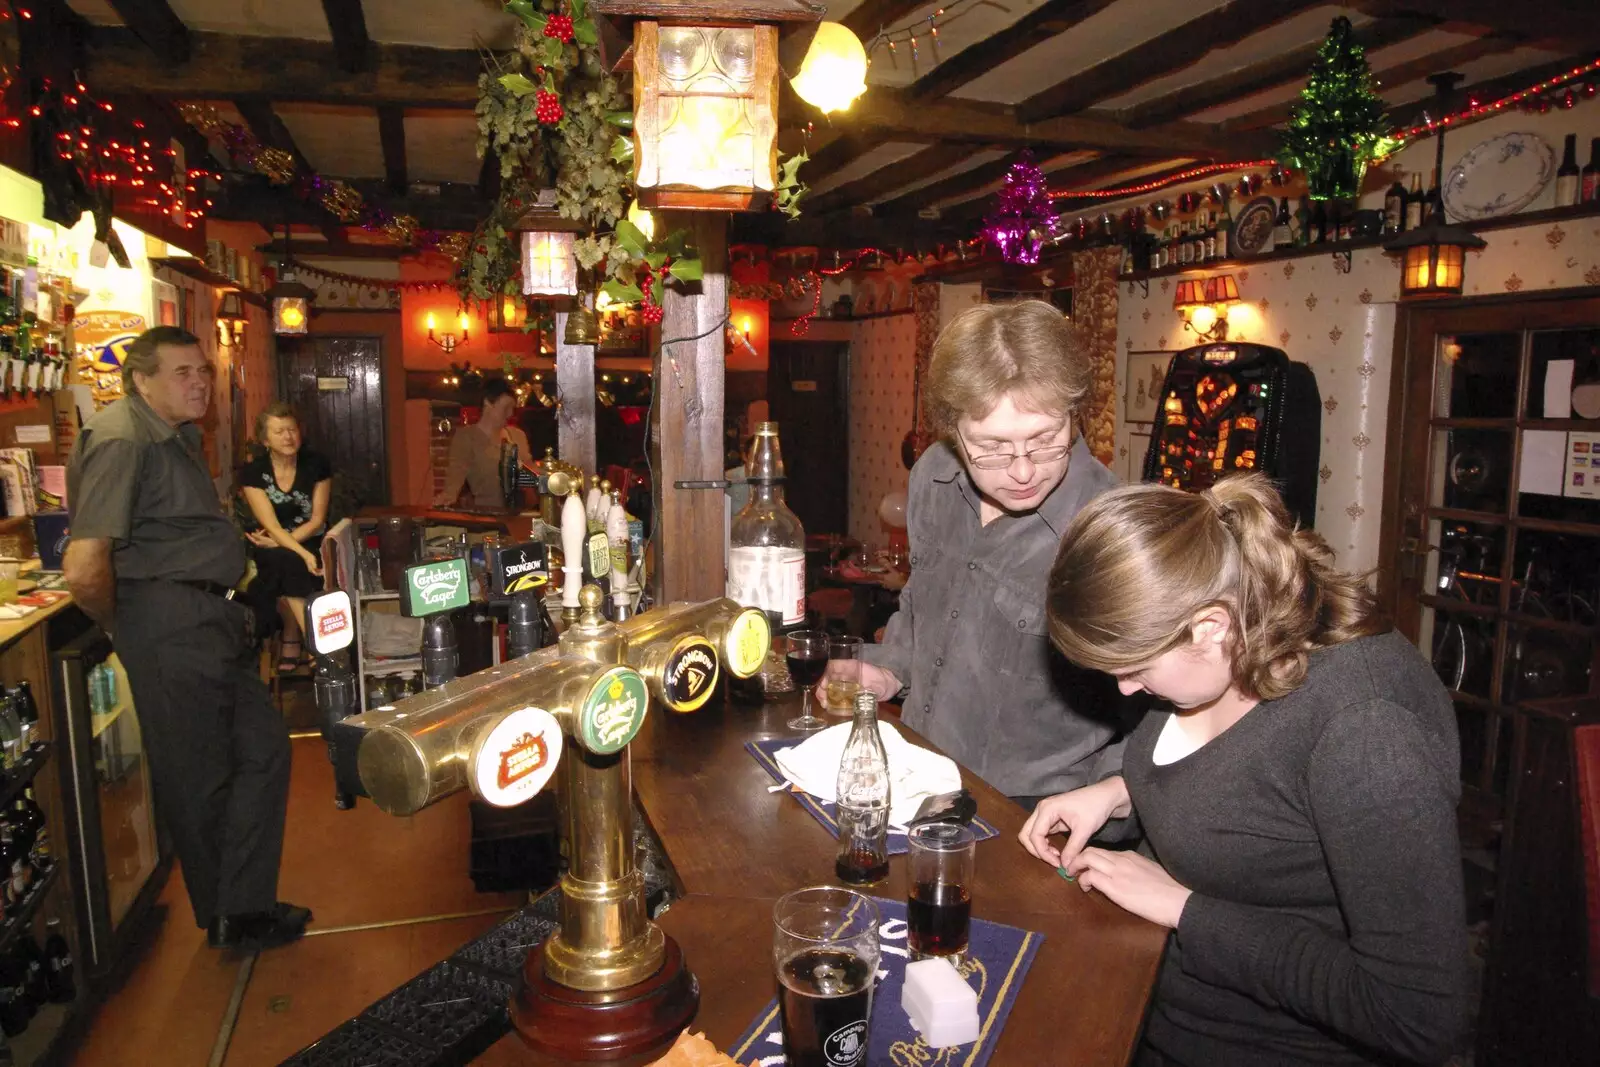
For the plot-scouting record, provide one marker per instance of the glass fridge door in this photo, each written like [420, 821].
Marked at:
[127, 813]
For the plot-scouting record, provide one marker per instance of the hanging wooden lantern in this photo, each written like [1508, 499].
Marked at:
[291, 308]
[1433, 259]
[549, 267]
[705, 98]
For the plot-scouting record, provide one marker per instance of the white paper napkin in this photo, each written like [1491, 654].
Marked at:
[914, 773]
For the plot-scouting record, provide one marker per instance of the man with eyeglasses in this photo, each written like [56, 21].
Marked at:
[968, 652]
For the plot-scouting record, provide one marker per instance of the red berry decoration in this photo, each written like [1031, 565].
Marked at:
[547, 108]
[559, 27]
[651, 314]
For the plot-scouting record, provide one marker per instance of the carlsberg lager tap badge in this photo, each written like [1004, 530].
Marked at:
[614, 711]
[431, 588]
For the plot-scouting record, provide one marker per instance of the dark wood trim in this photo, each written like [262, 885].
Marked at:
[392, 132]
[348, 25]
[272, 206]
[1390, 77]
[1050, 19]
[270, 130]
[945, 188]
[223, 66]
[1281, 69]
[158, 26]
[1560, 23]
[715, 10]
[489, 176]
[870, 16]
[1159, 56]
[333, 250]
[930, 160]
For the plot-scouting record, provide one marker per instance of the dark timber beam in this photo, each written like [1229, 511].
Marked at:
[930, 160]
[272, 206]
[1390, 77]
[222, 66]
[1486, 91]
[1282, 69]
[154, 23]
[348, 25]
[1087, 176]
[489, 176]
[392, 132]
[869, 16]
[1159, 56]
[332, 250]
[1558, 24]
[1052, 18]
[269, 129]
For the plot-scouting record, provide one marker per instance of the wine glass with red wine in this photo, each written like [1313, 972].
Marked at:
[807, 659]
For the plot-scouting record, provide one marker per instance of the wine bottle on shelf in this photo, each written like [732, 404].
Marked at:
[1589, 180]
[1282, 233]
[27, 712]
[1345, 228]
[1319, 219]
[1433, 206]
[1567, 178]
[1225, 236]
[35, 982]
[1301, 222]
[1394, 207]
[14, 1013]
[1414, 203]
[58, 965]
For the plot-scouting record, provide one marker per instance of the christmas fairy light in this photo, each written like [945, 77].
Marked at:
[1157, 183]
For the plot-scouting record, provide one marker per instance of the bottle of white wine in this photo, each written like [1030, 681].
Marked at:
[766, 543]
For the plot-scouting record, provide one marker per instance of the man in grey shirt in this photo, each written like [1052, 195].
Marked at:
[969, 650]
[154, 559]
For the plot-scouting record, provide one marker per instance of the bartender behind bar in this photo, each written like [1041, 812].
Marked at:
[968, 652]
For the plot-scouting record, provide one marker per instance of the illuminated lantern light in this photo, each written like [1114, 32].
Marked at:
[1433, 260]
[834, 72]
[291, 308]
[549, 267]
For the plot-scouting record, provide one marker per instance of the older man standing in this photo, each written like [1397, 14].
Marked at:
[154, 559]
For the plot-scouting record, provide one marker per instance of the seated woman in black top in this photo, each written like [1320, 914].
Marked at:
[1298, 797]
[287, 488]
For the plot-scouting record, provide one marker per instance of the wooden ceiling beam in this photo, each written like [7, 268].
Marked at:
[1084, 176]
[333, 250]
[894, 115]
[1282, 69]
[222, 66]
[930, 160]
[1390, 77]
[489, 176]
[1487, 91]
[1559, 24]
[1159, 56]
[454, 208]
[160, 29]
[269, 129]
[348, 25]
[870, 16]
[1050, 19]
[392, 134]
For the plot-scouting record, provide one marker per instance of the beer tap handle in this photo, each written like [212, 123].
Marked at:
[617, 537]
[573, 528]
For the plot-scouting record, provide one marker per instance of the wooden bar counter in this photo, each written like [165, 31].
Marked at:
[736, 848]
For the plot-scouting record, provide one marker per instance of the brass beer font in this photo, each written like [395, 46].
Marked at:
[681, 649]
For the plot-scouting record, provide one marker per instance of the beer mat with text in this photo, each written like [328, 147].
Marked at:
[997, 960]
[828, 814]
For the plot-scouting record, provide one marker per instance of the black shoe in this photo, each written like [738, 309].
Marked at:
[258, 930]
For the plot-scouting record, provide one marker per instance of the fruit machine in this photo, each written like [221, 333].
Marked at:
[1232, 406]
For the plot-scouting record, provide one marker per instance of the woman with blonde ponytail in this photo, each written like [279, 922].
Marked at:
[1297, 800]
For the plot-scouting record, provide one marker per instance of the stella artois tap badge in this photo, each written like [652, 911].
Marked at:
[513, 761]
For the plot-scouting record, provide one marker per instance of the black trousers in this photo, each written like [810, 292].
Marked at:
[218, 748]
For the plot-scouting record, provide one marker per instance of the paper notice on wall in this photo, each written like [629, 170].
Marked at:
[1543, 463]
[1583, 466]
[1558, 389]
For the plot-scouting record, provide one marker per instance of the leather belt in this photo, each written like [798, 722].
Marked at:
[214, 588]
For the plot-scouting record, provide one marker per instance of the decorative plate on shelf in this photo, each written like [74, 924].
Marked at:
[1252, 230]
[1499, 176]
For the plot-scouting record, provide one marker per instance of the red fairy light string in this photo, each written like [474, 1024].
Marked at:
[1158, 183]
[801, 325]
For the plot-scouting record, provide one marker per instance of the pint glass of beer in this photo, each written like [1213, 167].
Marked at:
[939, 904]
[825, 948]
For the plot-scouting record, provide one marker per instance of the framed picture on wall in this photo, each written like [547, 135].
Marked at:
[1133, 469]
[1147, 371]
[166, 301]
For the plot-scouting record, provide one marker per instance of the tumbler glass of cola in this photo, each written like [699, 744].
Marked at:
[825, 949]
[939, 904]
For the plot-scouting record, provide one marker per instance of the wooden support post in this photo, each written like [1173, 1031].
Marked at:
[575, 389]
[687, 435]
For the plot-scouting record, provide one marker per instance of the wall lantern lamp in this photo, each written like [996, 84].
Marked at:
[1204, 303]
[231, 319]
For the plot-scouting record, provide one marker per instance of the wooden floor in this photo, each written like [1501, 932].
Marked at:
[391, 897]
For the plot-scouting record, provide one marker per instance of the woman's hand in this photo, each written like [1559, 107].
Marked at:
[313, 564]
[1081, 813]
[261, 539]
[878, 681]
[1132, 882]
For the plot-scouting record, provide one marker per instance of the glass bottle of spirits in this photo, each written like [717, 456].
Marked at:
[1394, 207]
[1434, 204]
[1589, 180]
[58, 964]
[863, 792]
[1282, 235]
[766, 543]
[1567, 177]
[1414, 203]
[1225, 235]
[27, 712]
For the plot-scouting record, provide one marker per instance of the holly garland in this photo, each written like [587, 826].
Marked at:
[556, 117]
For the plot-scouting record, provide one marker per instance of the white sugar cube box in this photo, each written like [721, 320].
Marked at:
[942, 1006]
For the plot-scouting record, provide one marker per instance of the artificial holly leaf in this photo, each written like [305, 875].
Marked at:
[631, 239]
[622, 120]
[686, 270]
[518, 85]
[622, 293]
[583, 32]
[676, 243]
[789, 170]
[655, 259]
[622, 149]
[577, 8]
[523, 9]
[549, 51]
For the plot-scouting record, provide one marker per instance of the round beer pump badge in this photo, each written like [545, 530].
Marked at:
[747, 643]
[613, 711]
[690, 674]
[513, 761]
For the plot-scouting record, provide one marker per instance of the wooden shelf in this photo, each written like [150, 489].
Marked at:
[20, 918]
[196, 269]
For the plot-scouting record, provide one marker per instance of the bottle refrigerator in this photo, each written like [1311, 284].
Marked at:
[115, 849]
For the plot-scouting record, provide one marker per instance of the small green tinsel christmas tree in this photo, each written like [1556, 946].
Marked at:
[1339, 125]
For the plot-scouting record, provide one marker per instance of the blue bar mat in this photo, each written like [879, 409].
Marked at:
[828, 814]
[998, 958]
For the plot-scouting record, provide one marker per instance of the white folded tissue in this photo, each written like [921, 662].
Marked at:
[940, 1003]
[915, 774]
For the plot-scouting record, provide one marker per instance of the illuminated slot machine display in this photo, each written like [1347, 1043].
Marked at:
[1231, 407]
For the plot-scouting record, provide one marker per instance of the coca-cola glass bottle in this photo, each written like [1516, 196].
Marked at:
[863, 799]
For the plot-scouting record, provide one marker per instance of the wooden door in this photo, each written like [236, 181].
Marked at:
[1492, 517]
[808, 397]
[336, 386]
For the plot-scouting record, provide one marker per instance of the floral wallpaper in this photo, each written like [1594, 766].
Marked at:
[1094, 310]
[882, 357]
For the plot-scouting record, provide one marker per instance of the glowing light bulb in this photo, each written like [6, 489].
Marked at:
[834, 72]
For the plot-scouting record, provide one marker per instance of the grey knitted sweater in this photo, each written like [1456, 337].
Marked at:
[1318, 835]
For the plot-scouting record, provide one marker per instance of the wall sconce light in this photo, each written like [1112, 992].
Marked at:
[449, 341]
[1204, 303]
[231, 319]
